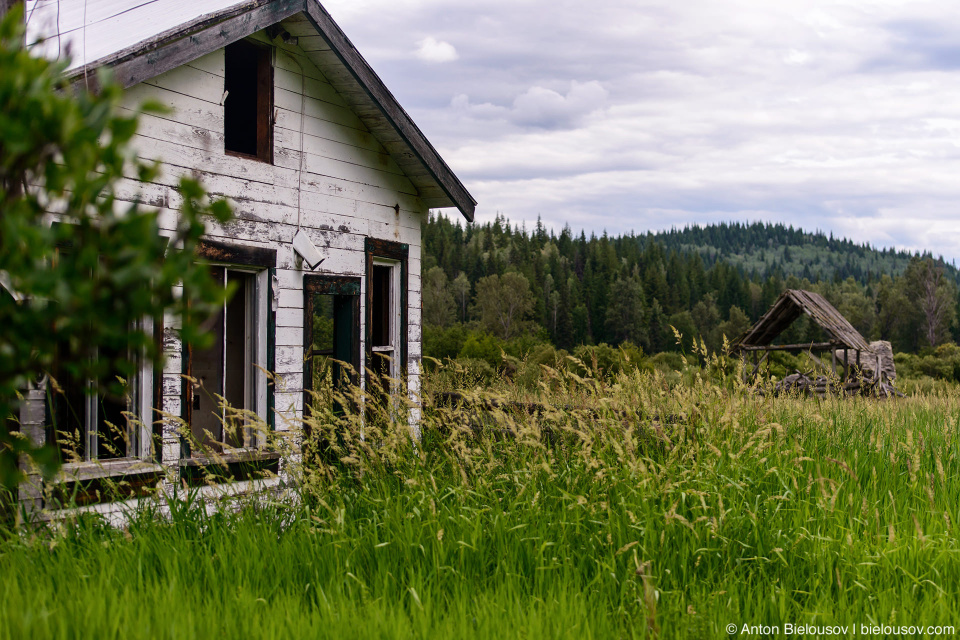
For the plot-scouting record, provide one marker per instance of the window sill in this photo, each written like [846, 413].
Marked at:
[83, 483]
[247, 156]
[98, 469]
[233, 457]
[244, 464]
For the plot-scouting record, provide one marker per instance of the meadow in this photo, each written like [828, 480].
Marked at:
[618, 506]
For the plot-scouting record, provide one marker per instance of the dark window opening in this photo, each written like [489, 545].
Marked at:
[386, 314]
[111, 423]
[248, 106]
[332, 353]
[380, 329]
[89, 425]
[88, 420]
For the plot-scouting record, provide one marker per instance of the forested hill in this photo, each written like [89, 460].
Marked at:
[762, 248]
[714, 281]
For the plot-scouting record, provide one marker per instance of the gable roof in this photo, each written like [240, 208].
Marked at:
[333, 54]
[791, 304]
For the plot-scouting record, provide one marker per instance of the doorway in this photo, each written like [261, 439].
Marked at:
[331, 342]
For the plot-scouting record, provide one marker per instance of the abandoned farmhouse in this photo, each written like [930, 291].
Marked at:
[271, 107]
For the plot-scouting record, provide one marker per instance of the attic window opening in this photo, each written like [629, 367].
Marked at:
[247, 109]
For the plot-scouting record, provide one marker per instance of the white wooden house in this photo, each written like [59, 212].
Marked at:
[272, 107]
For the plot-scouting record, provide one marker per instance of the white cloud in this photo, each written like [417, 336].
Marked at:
[538, 106]
[796, 57]
[544, 107]
[433, 50]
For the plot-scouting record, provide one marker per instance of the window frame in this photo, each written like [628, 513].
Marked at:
[327, 285]
[144, 398]
[395, 254]
[265, 84]
[261, 262]
[140, 400]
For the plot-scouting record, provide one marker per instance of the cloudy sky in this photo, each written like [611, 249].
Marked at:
[625, 115]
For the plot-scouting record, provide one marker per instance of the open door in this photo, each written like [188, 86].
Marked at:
[331, 339]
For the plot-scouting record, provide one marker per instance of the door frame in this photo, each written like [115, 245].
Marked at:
[328, 285]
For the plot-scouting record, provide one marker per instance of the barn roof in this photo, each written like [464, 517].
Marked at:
[142, 40]
[791, 304]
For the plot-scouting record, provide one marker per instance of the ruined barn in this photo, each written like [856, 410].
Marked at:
[272, 107]
[855, 366]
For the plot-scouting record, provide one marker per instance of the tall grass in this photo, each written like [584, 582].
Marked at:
[617, 507]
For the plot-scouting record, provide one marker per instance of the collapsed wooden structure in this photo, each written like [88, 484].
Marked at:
[856, 366]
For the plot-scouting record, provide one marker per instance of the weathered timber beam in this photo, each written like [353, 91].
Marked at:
[820, 346]
[756, 366]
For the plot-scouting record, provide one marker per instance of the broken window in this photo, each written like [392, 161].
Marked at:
[331, 340]
[385, 318]
[111, 419]
[386, 314]
[90, 423]
[229, 390]
[248, 101]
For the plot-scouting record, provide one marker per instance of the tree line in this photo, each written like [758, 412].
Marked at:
[509, 282]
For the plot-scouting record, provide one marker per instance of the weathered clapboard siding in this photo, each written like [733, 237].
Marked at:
[321, 151]
[288, 77]
[326, 147]
[189, 109]
[289, 124]
[315, 210]
[213, 63]
[291, 87]
[166, 140]
[202, 84]
[291, 101]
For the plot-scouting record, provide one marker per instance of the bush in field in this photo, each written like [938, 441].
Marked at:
[523, 344]
[482, 346]
[941, 363]
[668, 361]
[530, 368]
[74, 292]
[444, 342]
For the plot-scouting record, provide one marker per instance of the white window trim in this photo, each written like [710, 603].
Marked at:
[143, 401]
[261, 320]
[255, 378]
[395, 316]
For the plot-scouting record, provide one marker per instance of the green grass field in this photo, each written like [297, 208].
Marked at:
[635, 509]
